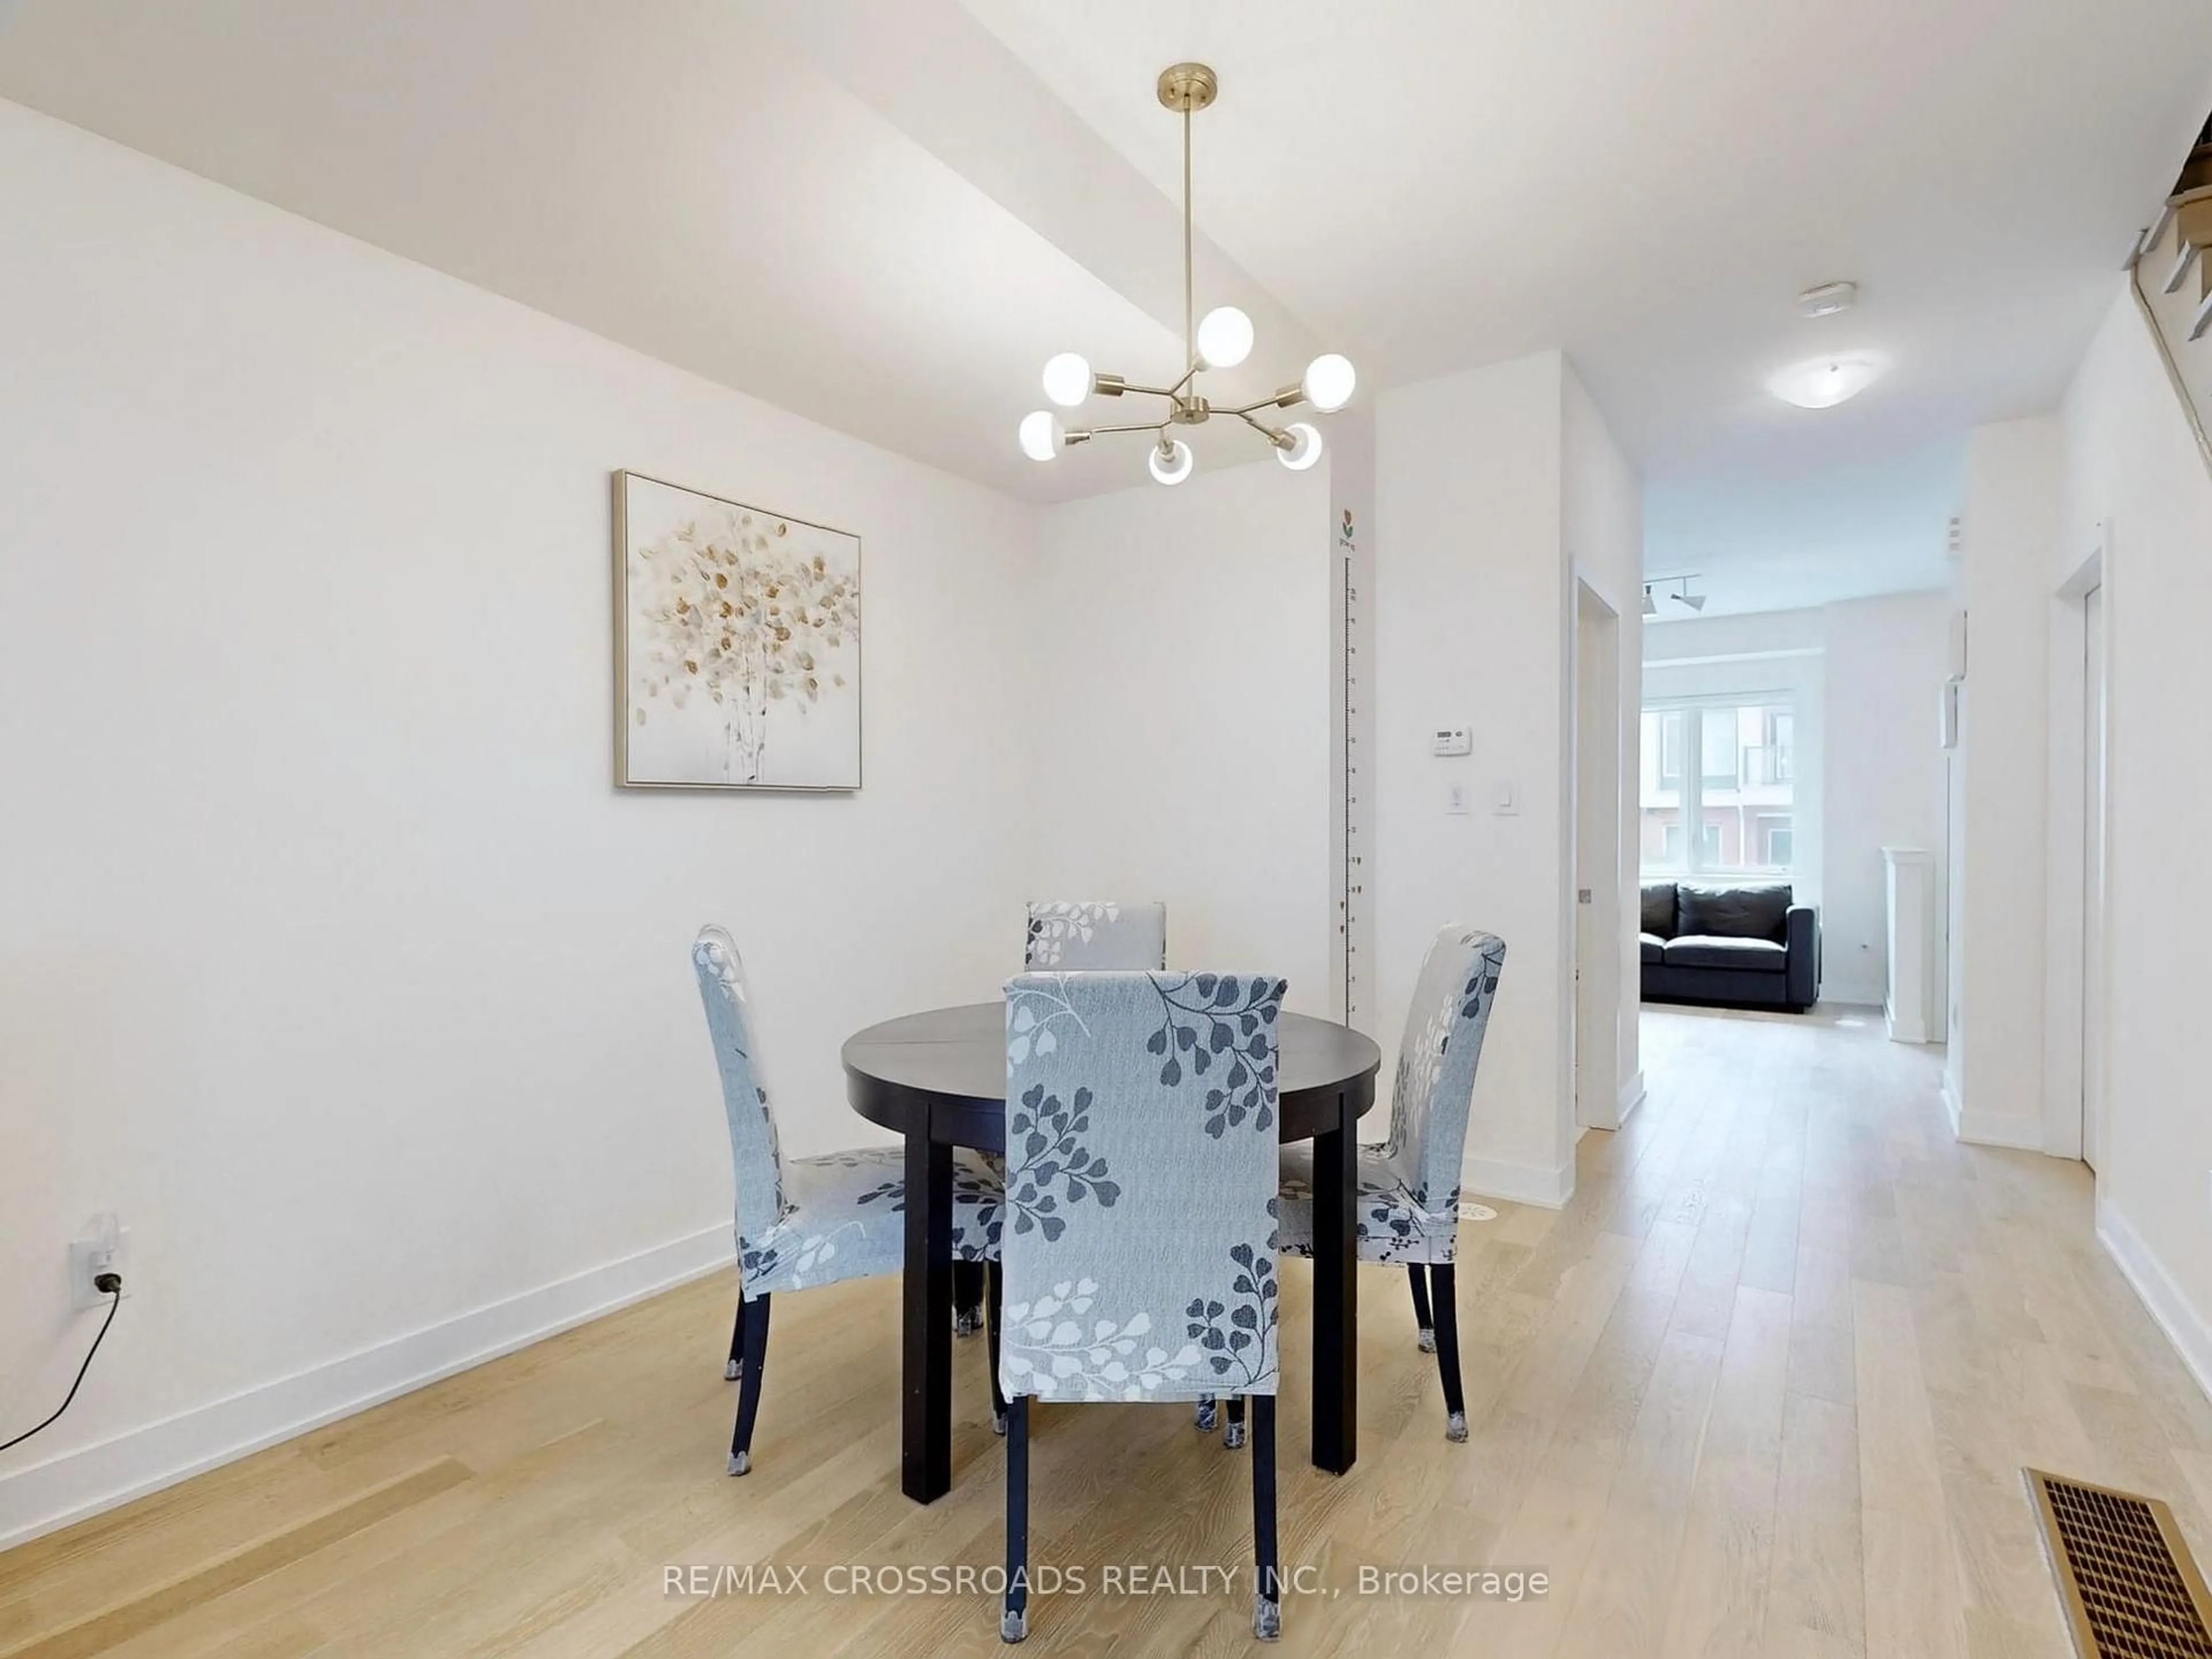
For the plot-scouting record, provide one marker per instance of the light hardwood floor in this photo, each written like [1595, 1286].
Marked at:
[1763, 1389]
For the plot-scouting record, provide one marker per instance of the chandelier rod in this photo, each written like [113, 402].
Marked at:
[1189, 309]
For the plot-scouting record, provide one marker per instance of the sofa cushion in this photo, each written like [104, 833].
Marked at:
[1756, 956]
[1653, 947]
[1753, 910]
[1659, 908]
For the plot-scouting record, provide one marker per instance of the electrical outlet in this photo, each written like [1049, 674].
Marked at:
[103, 1247]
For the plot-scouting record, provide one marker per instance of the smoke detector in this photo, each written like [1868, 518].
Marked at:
[1828, 300]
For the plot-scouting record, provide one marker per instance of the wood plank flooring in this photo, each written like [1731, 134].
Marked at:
[1763, 1388]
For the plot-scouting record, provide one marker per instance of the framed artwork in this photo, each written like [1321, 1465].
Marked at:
[737, 644]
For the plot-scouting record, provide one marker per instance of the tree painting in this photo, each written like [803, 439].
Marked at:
[743, 644]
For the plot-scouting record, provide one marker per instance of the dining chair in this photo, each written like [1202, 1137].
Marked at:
[1086, 934]
[1138, 1252]
[1094, 934]
[803, 1222]
[1408, 1203]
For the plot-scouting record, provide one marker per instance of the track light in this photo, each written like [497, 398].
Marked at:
[1676, 588]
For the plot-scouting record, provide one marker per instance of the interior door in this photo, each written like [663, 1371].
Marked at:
[2093, 874]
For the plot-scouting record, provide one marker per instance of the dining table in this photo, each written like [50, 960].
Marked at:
[939, 1079]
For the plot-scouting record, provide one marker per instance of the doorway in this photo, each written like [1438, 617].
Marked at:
[1597, 883]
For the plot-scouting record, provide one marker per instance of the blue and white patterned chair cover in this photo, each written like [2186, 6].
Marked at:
[1407, 1206]
[1069, 935]
[1409, 1199]
[1138, 1246]
[808, 1221]
[1094, 934]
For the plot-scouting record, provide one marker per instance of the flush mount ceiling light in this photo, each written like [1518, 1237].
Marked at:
[1220, 339]
[1824, 382]
[1680, 595]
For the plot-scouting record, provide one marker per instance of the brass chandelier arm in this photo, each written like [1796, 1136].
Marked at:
[1289, 398]
[1113, 385]
[1280, 439]
[1078, 435]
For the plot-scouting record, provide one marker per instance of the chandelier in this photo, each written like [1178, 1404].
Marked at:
[1220, 339]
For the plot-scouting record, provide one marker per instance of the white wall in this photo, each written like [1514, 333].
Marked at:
[332, 959]
[1181, 711]
[2133, 478]
[1470, 629]
[1883, 666]
[1863, 676]
[1474, 616]
[1993, 1075]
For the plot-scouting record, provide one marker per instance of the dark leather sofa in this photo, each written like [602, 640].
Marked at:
[1744, 944]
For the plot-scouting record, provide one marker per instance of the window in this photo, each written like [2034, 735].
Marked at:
[1739, 798]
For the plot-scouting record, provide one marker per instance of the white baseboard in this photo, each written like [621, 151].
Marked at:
[1995, 1129]
[1631, 1096]
[2185, 1327]
[76, 1484]
[1953, 1107]
[1518, 1183]
[1846, 987]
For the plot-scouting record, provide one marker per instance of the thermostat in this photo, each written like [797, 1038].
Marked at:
[1453, 740]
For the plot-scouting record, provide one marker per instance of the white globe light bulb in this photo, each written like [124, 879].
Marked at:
[1224, 338]
[1067, 379]
[1328, 383]
[1305, 446]
[1170, 465]
[1041, 434]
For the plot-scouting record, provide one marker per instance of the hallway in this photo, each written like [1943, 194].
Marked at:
[1827, 1337]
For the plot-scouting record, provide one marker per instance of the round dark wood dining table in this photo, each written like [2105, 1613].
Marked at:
[939, 1080]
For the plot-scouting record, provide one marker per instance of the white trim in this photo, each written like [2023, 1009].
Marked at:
[76, 1484]
[1995, 1128]
[2065, 833]
[1518, 1183]
[2184, 1325]
[1953, 1108]
[1650, 661]
[1631, 1096]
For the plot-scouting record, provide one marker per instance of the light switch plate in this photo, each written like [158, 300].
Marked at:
[1455, 800]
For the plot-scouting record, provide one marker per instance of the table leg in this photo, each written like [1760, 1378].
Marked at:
[925, 1422]
[1336, 1293]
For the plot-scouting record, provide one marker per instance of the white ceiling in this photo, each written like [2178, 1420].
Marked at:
[886, 214]
[1651, 185]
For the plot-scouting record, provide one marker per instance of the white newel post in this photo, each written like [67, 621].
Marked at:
[1911, 884]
